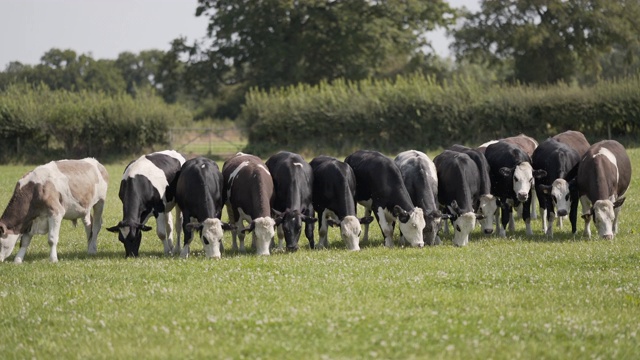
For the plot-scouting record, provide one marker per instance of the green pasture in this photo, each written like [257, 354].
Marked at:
[519, 297]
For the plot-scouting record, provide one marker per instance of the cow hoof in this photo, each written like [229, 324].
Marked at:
[17, 260]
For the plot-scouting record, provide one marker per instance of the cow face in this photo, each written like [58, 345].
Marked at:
[211, 233]
[130, 235]
[604, 216]
[523, 177]
[411, 224]
[560, 195]
[463, 226]
[350, 231]
[263, 230]
[7, 242]
[488, 207]
[292, 222]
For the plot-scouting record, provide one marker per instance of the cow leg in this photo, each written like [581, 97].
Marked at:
[162, 229]
[323, 229]
[385, 226]
[548, 217]
[616, 211]
[552, 217]
[188, 237]
[506, 212]
[367, 212]
[54, 234]
[526, 216]
[532, 200]
[308, 229]
[25, 240]
[573, 216]
[586, 215]
[96, 224]
[543, 212]
[86, 221]
[280, 237]
[177, 225]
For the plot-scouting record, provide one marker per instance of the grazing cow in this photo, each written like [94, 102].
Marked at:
[512, 178]
[65, 189]
[148, 188]
[575, 140]
[603, 178]
[458, 189]
[334, 191]
[293, 186]
[199, 198]
[487, 204]
[421, 180]
[559, 161]
[379, 186]
[248, 194]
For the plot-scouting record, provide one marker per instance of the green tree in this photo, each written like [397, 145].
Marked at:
[139, 70]
[548, 40]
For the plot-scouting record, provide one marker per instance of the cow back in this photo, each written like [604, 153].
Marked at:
[482, 164]
[334, 186]
[292, 181]
[524, 142]
[420, 178]
[199, 189]
[574, 139]
[248, 185]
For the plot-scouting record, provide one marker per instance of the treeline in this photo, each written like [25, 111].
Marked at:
[37, 123]
[417, 112]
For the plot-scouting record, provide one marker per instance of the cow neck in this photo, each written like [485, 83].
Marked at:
[19, 213]
[604, 182]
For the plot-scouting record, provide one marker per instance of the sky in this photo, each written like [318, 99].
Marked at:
[106, 28]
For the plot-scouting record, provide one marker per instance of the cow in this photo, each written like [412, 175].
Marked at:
[379, 186]
[512, 179]
[487, 204]
[65, 189]
[199, 198]
[575, 139]
[148, 188]
[604, 174]
[458, 189]
[559, 161]
[293, 185]
[421, 180]
[334, 191]
[248, 195]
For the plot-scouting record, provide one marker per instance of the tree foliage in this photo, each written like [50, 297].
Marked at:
[548, 40]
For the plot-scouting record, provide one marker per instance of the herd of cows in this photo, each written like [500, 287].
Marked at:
[461, 185]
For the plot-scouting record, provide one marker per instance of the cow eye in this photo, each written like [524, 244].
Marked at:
[458, 228]
[515, 179]
[566, 198]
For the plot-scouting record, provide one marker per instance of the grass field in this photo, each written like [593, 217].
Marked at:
[519, 297]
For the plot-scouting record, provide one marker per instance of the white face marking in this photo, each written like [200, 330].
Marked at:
[604, 217]
[7, 243]
[611, 157]
[350, 231]
[212, 231]
[488, 208]
[561, 195]
[125, 230]
[522, 180]
[412, 229]
[263, 231]
[462, 228]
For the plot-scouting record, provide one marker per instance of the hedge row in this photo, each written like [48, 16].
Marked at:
[37, 123]
[416, 112]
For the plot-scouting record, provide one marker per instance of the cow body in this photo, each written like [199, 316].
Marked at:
[334, 191]
[486, 204]
[604, 175]
[379, 186]
[65, 189]
[574, 139]
[458, 190]
[199, 198]
[249, 194]
[148, 189]
[512, 179]
[421, 180]
[559, 161]
[293, 186]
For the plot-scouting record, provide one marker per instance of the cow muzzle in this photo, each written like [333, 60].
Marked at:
[608, 237]
[562, 212]
[488, 231]
[522, 197]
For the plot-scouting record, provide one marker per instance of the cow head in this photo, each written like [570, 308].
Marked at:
[291, 222]
[350, 230]
[211, 232]
[130, 235]
[562, 195]
[263, 230]
[432, 222]
[487, 208]
[463, 223]
[522, 176]
[411, 224]
[604, 214]
[8, 241]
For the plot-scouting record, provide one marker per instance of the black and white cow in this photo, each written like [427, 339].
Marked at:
[334, 192]
[421, 180]
[379, 186]
[249, 194]
[603, 178]
[199, 198]
[487, 204]
[65, 189]
[148, 188]
[559, 161]
[458, 190]
[512, 179]
[293, 186]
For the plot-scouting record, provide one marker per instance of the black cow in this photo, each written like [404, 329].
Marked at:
[293, 186]
[487, 204]
[379, 186]
[458, 189]
[199, 198]
[603, 178]
[559, 161]
[512, 179]
[248, 194]
[148, 188]
[334, 191]
[421, 179]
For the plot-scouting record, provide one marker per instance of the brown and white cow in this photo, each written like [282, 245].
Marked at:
[65, 189]
[249, 194]
[604, 174]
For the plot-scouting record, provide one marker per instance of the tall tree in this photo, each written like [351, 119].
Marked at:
[548, 40]
[279, 42]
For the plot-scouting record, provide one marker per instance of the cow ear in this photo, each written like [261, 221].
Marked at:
[276, 213]
[546, 189]
[227, 226]
[3, 229]
[332, 222]
[278, 219]
[114, 229]
[366, 220]
[505, 171]
[250, 228]
[309, 219]
[145, 228]
[401, 214]
[619, 202]
[446, 216]
[539, 174]
[194, 226]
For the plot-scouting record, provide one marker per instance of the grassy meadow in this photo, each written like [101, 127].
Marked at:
[519, 297]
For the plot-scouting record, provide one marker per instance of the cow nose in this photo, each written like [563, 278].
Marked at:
[488, 231]
[562, 212]
[522, 197]
[292, 248]
[608, 237]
